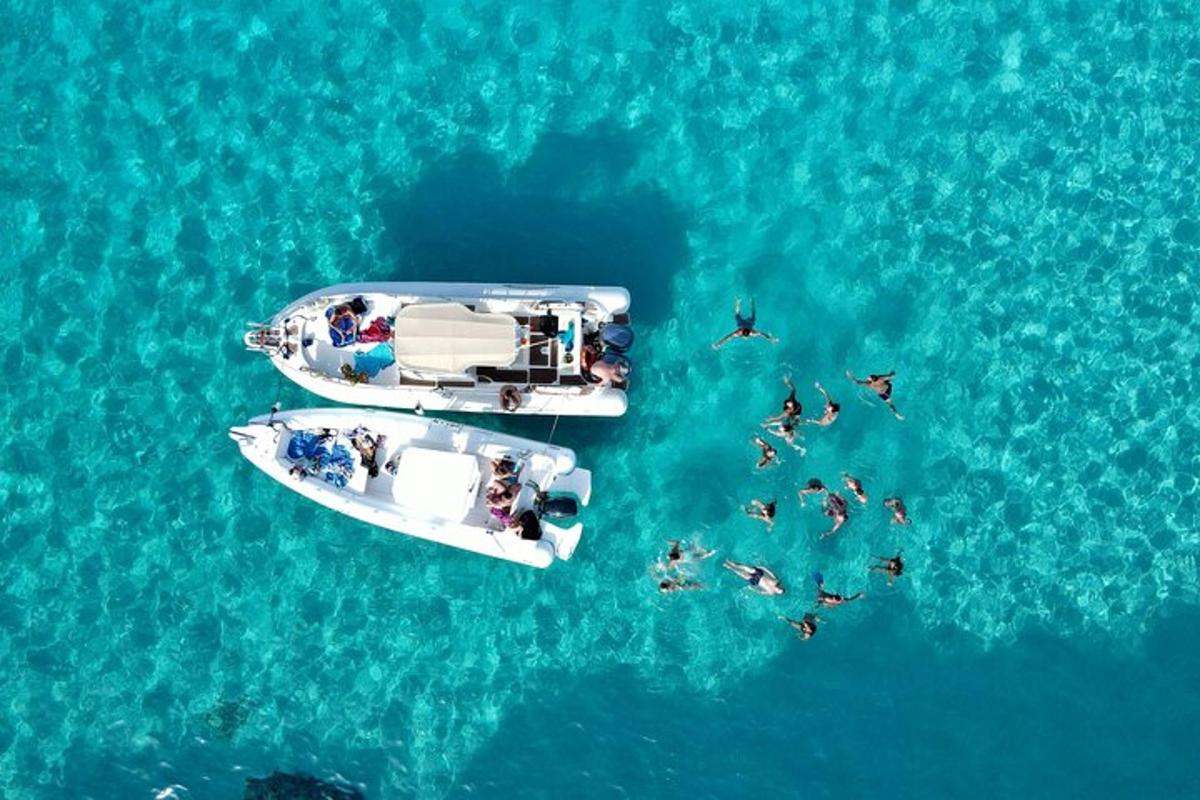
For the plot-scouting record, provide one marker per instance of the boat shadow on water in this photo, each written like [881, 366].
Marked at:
[573, 213]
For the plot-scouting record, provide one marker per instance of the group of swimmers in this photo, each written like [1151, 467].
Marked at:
[785, 425]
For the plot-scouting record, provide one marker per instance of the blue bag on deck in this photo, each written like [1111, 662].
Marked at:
[303, 444]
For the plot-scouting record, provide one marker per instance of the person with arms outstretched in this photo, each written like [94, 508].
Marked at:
[832, 410]
[762, 511]
[892, 567]
[761, 579]
[830, 599]
[881, 385]
[805, 628]
[745, 327]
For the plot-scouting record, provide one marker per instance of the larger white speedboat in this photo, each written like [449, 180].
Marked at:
[436, 480]
[457, 346]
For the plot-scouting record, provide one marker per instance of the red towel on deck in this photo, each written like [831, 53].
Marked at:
[377, 331]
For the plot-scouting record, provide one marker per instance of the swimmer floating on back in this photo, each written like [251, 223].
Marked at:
[761, 579]
[881, 385]
[745, 327]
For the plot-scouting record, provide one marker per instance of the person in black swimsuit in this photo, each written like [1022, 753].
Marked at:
[745, 327]
[855, 486]
[762, 511]
[667, 585]
[761, 579]
[893, 567]
[830, 599]
[805, 628]
[881, 385]
[769, 454]
[791, 407]
[814, 486]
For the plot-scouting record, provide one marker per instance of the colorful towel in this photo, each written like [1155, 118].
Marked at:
[378, 331]
[375, 360]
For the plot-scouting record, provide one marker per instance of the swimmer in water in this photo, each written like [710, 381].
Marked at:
[832, 410]
[668, 585]
[881, 385]
[677, 556]
[855, 486]
[829, 599]
[805, 628]
[893, 567]
[791, 407]
[769, 454]
[745, 327]
[899, 511]
[835, 508]
[762, 511]
[761, 579]
[814, 486]
[785, 429]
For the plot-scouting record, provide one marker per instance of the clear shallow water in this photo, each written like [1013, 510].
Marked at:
[1001, 205]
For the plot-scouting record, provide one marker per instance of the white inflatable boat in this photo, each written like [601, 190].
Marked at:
[426, 477]
[457, 346]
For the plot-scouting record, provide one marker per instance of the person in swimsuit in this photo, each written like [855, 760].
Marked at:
[805, 628]
[668, 585]
[763, 511]
[855, 486]
[814, 486]
[832, 410]
[791, 407]
[785, 429]
[745, 327]
[677, 556]
[769, 454]
[899, 511]
[761, 579]
[835, 508]
[829, 599]
[881, 385]
[893, 567]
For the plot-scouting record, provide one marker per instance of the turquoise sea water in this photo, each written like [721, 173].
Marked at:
[998, 202]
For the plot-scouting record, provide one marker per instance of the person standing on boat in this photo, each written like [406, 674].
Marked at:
[745, 327]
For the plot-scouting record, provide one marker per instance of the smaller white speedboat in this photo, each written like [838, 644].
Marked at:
[484, 348]
[437, 480]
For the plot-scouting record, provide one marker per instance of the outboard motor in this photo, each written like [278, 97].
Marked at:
[556, 507]
[617, 338]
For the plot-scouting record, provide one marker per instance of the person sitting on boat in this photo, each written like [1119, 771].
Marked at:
[761, 579]
[298, 472]
[367, 445]
[610, 371]
[526, 525]
[504, 471]
[343, 325]
[745, 327]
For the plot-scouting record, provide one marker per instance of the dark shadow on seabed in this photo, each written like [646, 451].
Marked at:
[1019, 726]
[568, 214]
